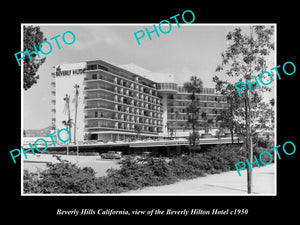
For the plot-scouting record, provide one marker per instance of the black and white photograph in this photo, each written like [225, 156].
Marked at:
[119, 114]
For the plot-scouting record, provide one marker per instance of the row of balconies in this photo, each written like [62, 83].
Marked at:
[201, 97]
[137, 95]
[128, 110]
[184, 117]
[125, 105]
[138, 104]
[206, 91]
[127, 118]
[120, 74]
[184, 125]
[135, 110]
[183, 111]
[200, 105]
[134, 86]
[123, 100]
[122, 126]
[119, 90]
[142, 87]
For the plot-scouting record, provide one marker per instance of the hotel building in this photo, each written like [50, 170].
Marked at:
[116, 103]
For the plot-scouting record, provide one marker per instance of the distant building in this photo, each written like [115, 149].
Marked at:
[121, 102]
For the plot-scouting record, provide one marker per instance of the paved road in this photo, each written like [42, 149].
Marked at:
[225, 183]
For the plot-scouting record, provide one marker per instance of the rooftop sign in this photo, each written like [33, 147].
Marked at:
[60, 72]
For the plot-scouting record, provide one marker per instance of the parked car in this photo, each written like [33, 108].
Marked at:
[111, 155]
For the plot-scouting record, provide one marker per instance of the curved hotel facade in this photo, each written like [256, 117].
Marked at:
[109, 103]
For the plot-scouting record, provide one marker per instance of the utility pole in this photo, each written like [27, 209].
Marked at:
[76, 86]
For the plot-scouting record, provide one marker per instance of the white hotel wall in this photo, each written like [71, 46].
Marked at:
[65, 85]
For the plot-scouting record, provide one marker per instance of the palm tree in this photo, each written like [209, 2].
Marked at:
[67, 105]
[67, 123]
[193, 112]
[195, 85]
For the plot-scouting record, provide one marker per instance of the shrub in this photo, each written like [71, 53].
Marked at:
[186, 167]
[134, 174]
[264, 157]
[65, 177]
[31, 182]
[218, 159]
[62, 177]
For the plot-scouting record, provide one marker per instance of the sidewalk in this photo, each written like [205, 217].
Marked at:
[228, 183]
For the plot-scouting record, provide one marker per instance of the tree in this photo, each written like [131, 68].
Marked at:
[193, 138]
[68, 123]
[177, 116]
[207, 123]
[138, 129]
[193, 111]
[195, 85]
[233, 101]
[245, 57]
[33, 36]
[272, 102]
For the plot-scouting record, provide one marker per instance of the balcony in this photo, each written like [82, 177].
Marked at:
[100, 96]
[124, 92]
[121, 108]
[99, 106]
[121, 127]
[126, 77]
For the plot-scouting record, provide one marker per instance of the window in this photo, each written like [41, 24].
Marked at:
[94, 76]
[102, 67]
[92, 67]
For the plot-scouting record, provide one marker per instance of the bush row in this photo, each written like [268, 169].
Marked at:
[65, 177]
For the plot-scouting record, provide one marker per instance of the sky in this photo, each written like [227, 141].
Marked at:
[192, 49]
